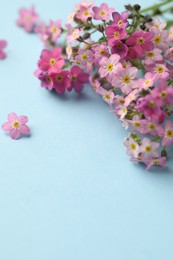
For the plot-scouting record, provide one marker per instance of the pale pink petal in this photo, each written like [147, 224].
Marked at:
[14, 133]
[23, 119]
[12, 117]
[24, 129]
[6, 126]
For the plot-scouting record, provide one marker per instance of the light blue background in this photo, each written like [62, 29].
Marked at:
[69, 191]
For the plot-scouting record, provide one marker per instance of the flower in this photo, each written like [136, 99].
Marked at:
[149, 149]
[119, 48]
[51, 61]
[168, 134]
[61, 81]
[78, 78]
[3, 44]
[16, 125]
[108, 66]
[54, 30]
[115, 33]
[27, 19]
[84, 14]
[103, 12]
[132, 147]
[120, 19]
[160, 161]
[141, 41]
[125, 79]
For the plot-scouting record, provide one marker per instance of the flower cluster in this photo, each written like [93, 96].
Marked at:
[130, 66]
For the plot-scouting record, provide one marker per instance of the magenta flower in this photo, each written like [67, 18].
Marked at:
[115, 33]
[103, 12]
[120, 19]
[3, 44]
[120, 48]
[45, 78]
[141, 41]
[27, 19]
[78, 78]
[51, 61]
[61, 81]
[16, 125]
[151, 109]
[168, 134]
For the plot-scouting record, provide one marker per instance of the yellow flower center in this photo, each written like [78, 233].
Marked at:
[120, 22]
[52, 62]
[102, 13]
[157, 39]
[147, 82]
[110, 67]
[48, 79]
[54, 29]
[150, 54]
[151, 104]
[59, 78]
[116, 35]
[86, 13]
[126, 79]
[156, 162]
[102, 51]
[16, 124]
[84, 57]
[133, 147]
[137, 124]
[163, 94]
[140, 40]
[148, 149]
[159, 69]
[169, 133]
[107, 96]
[152, 126]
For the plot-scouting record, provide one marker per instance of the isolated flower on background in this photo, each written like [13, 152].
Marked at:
[16, 125]
[27, 19]
[3, 44]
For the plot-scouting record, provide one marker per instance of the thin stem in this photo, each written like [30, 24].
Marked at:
[154, 7]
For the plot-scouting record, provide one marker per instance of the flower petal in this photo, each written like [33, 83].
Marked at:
[12, 117]
[23, 119]
[24, 129]
[14, 133]
[6, 126]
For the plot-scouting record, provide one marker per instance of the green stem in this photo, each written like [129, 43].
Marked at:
[155, 7]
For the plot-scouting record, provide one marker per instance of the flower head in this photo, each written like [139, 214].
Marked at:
[27, 19]
[3, 44]
[16, 125]
[103, 12]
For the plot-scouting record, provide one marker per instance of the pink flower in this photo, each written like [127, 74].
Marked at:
[163, 93]
[103, 12]
[84, 56]
[159, 70]
[147, 81]
[45, 78]
[126, 79]
[78, 78]
[74, 33]
[160, 161]
[41, 30]
[115, 33]
[169, 54]
[120, 48]
[84, 13]
[152, 128]
[108, 66]
[132, 147]
[160, 38]
[3, 44]
[85, 4]
[153, 56]
[100, 51]
[51, 61]
[149, 106]
[16, 125]
[61, 81]
[27, 18]
[168, 134]
[120, 19]
[149, 148]
[141, 41]
[54, 30]
[108, 95]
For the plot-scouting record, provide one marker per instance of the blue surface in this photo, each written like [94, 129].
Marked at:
[69, 191]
